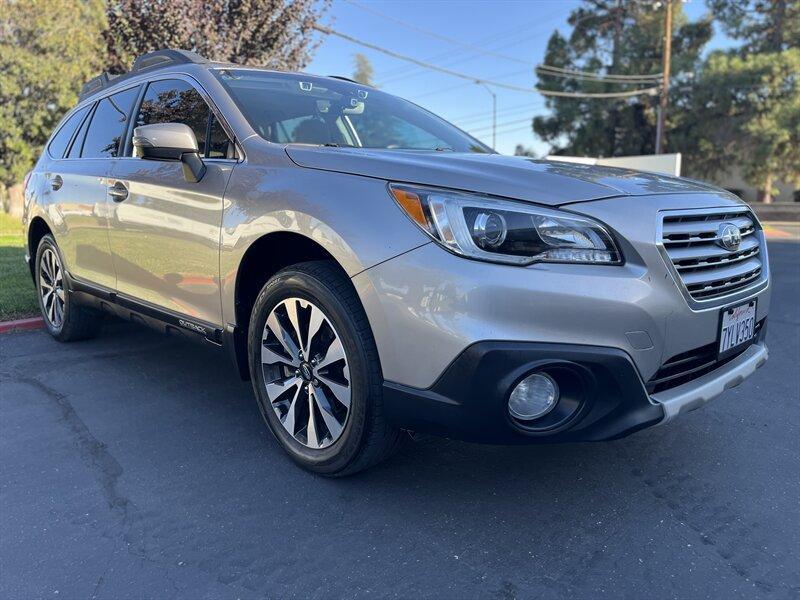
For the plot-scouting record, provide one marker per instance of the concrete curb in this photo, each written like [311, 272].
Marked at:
[21, 325]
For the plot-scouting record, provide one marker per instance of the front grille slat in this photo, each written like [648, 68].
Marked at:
[717, 262]
[724, 272]
[707, 269]
[700, 238]
[697, 227]
[724, 287]
[707, 251]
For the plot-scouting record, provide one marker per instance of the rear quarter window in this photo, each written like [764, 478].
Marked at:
[58, 144]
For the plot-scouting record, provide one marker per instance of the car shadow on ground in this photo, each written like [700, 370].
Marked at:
[198, 441]
[201, 393]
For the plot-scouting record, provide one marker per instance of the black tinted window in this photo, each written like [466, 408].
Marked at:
[58, 145]
[219, 144]
[175, 101]
[77, 143]
[108, 125]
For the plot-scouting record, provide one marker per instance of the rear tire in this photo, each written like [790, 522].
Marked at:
[64, 318]
[316, 372]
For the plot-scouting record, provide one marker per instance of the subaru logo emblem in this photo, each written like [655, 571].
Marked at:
[729, 236]
[305, 371]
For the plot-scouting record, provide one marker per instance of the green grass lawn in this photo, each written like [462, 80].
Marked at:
[17, 293]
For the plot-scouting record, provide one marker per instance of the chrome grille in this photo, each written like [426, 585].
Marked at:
[706, 269]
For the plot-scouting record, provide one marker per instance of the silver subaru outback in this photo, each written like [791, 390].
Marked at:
[372, 269]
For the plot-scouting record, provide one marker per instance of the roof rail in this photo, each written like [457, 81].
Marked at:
[95, 84]
[151, 60]
[161, 58]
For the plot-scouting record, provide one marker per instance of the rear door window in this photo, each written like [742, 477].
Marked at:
[108, 126]
[58, 145]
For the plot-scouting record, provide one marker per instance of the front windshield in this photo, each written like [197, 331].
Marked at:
[288, 108]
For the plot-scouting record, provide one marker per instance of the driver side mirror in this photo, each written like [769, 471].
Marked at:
[170, 142]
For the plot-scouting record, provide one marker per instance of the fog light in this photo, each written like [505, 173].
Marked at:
[534, 397]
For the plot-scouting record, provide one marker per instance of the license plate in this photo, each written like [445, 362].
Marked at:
[737, 327]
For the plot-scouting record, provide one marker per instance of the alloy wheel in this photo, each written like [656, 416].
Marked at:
[306, 372]
[51, 288]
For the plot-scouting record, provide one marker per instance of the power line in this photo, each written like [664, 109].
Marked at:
[610, 78]
[486, 52]
[525, 28]
[504, 124]
[468, 116]
[460, 58]
[463, 85]
[507, 131]
[546, 69]
[328, 31]
[438, 36]
[507, 112]
[451, 56]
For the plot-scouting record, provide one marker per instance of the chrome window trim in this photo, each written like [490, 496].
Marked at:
[760, 284]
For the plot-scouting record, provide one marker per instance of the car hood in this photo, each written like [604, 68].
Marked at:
[541, 181]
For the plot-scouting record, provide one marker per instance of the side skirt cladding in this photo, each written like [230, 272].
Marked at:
[157, 318]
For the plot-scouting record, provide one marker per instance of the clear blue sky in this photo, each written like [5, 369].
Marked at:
[516, 28]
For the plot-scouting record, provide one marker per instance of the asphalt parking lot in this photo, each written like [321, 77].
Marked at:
[137, 466]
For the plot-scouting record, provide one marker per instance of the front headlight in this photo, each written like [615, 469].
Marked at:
[503, 231]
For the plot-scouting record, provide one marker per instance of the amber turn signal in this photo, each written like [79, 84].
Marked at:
[412, 204]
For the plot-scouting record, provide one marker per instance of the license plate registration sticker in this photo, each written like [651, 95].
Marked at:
[737, 326]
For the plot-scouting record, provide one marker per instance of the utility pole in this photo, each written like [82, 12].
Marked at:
[662, 106]
[494, 113]
[615, 52]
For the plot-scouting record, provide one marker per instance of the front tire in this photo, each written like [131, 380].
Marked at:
[316, 373]
[65, 319]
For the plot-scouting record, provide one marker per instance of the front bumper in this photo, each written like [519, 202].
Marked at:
[432, 312]
[696, 393]
[469, 401]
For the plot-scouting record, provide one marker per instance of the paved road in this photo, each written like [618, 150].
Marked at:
[133, 466]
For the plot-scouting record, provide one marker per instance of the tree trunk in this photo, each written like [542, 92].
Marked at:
[765, 193]
[15, 200]
[776, 33]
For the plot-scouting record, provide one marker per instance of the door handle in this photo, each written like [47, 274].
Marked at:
[118, 192]
[56, 182]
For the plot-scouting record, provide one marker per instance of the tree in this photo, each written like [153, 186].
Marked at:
[745, 111]
[45, 58]
[619, 38]
[363, 71]
[765, 25]
[273, 33]
[744, 106]
[521, 150]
